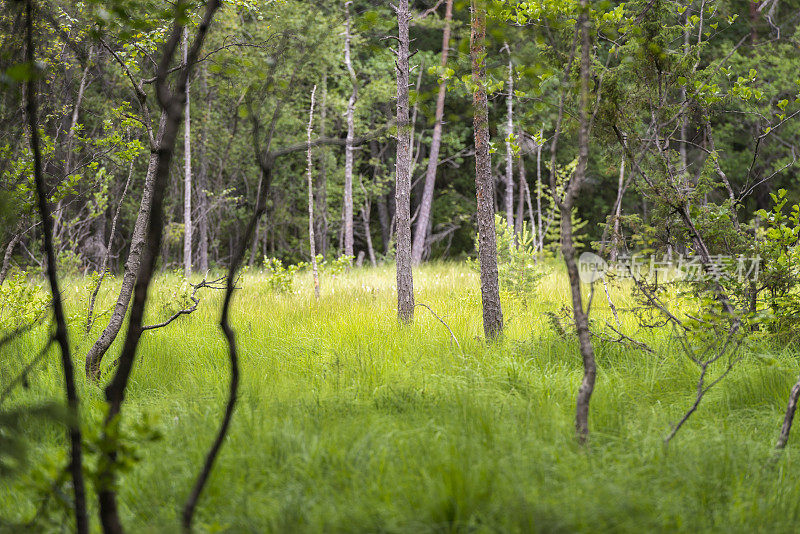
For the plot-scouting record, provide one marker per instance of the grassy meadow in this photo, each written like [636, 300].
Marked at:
[347, 422]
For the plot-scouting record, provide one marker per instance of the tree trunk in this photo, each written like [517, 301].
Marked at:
[187, 178]
[487, 240]
[132, 265]
[405, 281]
[254, 245]
[202, 182]
[61, 335]
[322, 196]
[539, 196]
[76, 112]
[347, 245]
[15, 239]
[789, 417]
[509, 198]
[567, 247]
[426, 204]
[311, 243]
[618, 210]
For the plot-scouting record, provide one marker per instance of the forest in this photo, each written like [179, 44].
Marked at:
[399, 266]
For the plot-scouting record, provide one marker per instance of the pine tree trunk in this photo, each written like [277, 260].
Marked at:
[405, 282]
[426, 204]
[487, 240]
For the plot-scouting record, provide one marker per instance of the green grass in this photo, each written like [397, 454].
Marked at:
[347, 422]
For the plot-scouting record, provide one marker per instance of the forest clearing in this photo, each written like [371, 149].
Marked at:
[347, 421]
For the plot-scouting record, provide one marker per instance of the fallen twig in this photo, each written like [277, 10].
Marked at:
[452, 335]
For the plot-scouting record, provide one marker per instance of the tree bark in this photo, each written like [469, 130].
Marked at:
[789, 417]
[15, 239]
[347, 245]
[322, 195]
[187, 169]
[618, 210]
[202, 182]
[426, 204]
[487, 240]
[539, 196]
[132, 265]
[104, 265]
[567, 247]
[509, 198]
[405, 282]
[311, 243]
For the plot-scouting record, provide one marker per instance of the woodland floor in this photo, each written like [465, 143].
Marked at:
[348, 423]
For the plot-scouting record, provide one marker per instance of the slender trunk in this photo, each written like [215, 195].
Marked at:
[104, 266]
[539, 196]
[254, 245]
[132, 265]
[487, 240]
[426, 204]
[202, 181]
[789, 417]
[368, 235]
[348, 157]
[61, 335]
[618, 210]
[322, 196]
[405, 281]
[172, 108]
[529, 202]
[518, 219]
[311, 243]
[567, 247]
[187, 177]
[509, 198]
[7, 256]
[76, 112]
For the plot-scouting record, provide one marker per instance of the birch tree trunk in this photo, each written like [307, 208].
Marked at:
[405, 282]
[311, 243]
[487, 240]
[322, 196]
[426, 204]
[187, 168]
[539, 195]
[347, 245]
[509, 198]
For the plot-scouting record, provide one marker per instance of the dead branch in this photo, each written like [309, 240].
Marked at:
[452, 335]
[217, 283]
